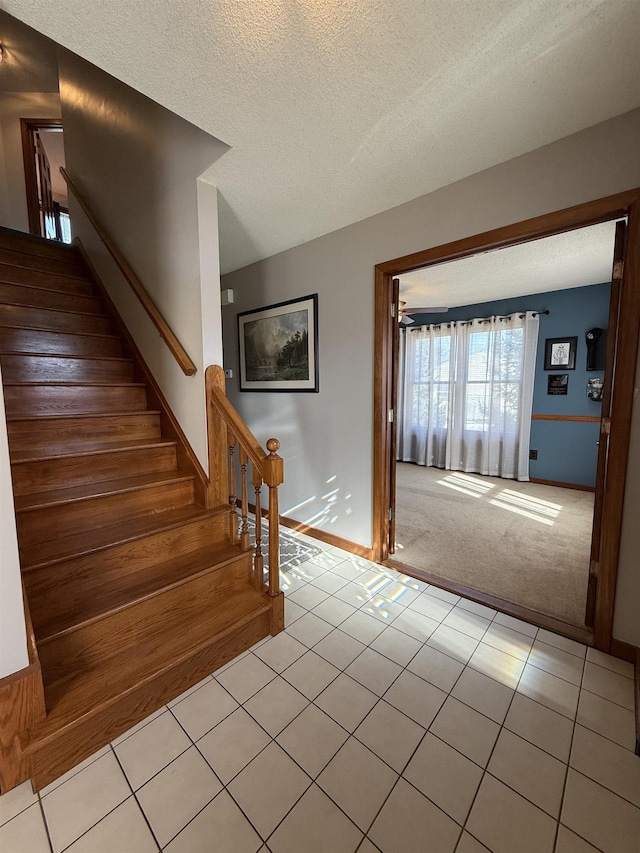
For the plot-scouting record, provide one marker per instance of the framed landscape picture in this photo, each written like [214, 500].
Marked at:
[278, 346]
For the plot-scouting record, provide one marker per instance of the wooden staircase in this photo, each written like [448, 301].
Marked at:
[136, 587]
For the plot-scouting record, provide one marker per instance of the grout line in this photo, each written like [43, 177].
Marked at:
[44, 820]
[144, 814]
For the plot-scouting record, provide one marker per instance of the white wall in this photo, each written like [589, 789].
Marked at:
[13, 637]
[327, 438]
[13, 107]
[138, 165]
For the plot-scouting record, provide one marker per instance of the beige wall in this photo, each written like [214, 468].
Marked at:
[138, 165]
[13, 107]
[13, 637]
[327, 437]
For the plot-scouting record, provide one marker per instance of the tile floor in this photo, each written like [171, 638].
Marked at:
[388, 716]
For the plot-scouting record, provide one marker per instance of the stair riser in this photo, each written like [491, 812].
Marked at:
[103, 724]
[46, 368]
[28, 340]
[43, 524]
[53, 279]
[57, 321]
[145, 622]
[20, 294]
[23, 261]
[62, 399]
[53, 590]
[77, 432]
[46, 474]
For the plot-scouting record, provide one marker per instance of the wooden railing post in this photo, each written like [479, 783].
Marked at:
[274, 477]
[217, 490]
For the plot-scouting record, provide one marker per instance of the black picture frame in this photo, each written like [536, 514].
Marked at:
[558, 384]
[560, 353]
[278, 347]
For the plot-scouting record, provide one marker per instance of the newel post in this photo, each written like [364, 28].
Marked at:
[274, 477]
[217, 489]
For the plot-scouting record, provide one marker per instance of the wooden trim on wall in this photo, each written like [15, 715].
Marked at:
[589, 419]
[328, 538]
[581, 215]
[561, 485]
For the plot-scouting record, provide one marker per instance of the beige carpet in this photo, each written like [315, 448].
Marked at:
[523, 542]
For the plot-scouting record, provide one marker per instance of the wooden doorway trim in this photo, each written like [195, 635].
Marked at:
[589, 213]
[28, 128]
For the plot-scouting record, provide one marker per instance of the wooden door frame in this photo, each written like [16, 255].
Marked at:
[28, 128]
[581, 215]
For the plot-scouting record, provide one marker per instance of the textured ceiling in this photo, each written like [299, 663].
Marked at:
[573, 259]
[338, 109]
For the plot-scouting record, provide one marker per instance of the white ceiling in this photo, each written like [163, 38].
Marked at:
[573, 259]
[338, 109]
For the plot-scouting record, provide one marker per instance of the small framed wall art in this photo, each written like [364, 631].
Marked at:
[560, 353]
[278, 346]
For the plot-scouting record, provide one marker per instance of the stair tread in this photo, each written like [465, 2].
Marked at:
[44, 354]
[89, 541]
[78, 415]
[57, 331]
[25, 263]
[72, 697]
[150, 581]
[76, 384]
[41, 500]
[54, 451]
[57, 310]
[42, 289]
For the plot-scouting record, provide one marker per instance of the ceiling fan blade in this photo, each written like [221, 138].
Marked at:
[405, 320]
[425, 310]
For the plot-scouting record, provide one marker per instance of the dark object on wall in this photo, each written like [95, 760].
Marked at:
[596, 339]
[560, 353]
[594, 389]
[558, 383]
[278, 346]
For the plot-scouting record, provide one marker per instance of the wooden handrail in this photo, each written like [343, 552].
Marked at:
[226, 430]
[165, 331]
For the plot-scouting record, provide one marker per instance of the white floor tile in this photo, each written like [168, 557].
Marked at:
[232, 744]
[333, 610]
[453, 643]
[407, 819]
[357, 781]
[268, 787]
[556, 661]
[468, 844]
[220, 826]
[541, 726]
[16, 801]
[374, 671]
[484, 694]
[122, 829]
[516, 624]
[203, 709]
[466, 730]
[353, 593]
[436, 667]
[79, 803]
[467, 622]
[599, 816]
[276, 705]
[175, 701]
[564, 643]
[280, 651]
[608, 719]
[246, 677]
[339, 648]
[104, 751]
[316, 825]
[416, 698]
[447, 778]
[396, 646]
[308, 596]
[612, 766]
[505, 822]
[431, 606]
[549, 690]
[497, 665]
[176, 795]
[476, 607]
[292, 612]
[534, 774]
[330, 582]
[310, 629]
[415, 624]
[382, 610]
[312, 739]
[310, 674]
[507, 640]
[569, 842]
[149, 750]
[444, 594]
[622, 667]
[399, 593]
[25, 833]
[346, 702]
[608, 684]
[362, 627]
[390, 734]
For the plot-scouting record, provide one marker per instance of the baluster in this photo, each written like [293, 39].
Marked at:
[245, 544]
[258, 560]
[233, 503]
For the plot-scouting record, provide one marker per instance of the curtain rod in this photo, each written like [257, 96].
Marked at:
[487, 320]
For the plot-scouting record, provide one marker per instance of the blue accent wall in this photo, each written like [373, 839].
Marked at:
[567, 450]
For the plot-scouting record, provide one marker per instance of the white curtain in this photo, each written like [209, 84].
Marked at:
[465, 393]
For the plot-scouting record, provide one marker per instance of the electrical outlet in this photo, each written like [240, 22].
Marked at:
[533, 454]
[228, 372]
